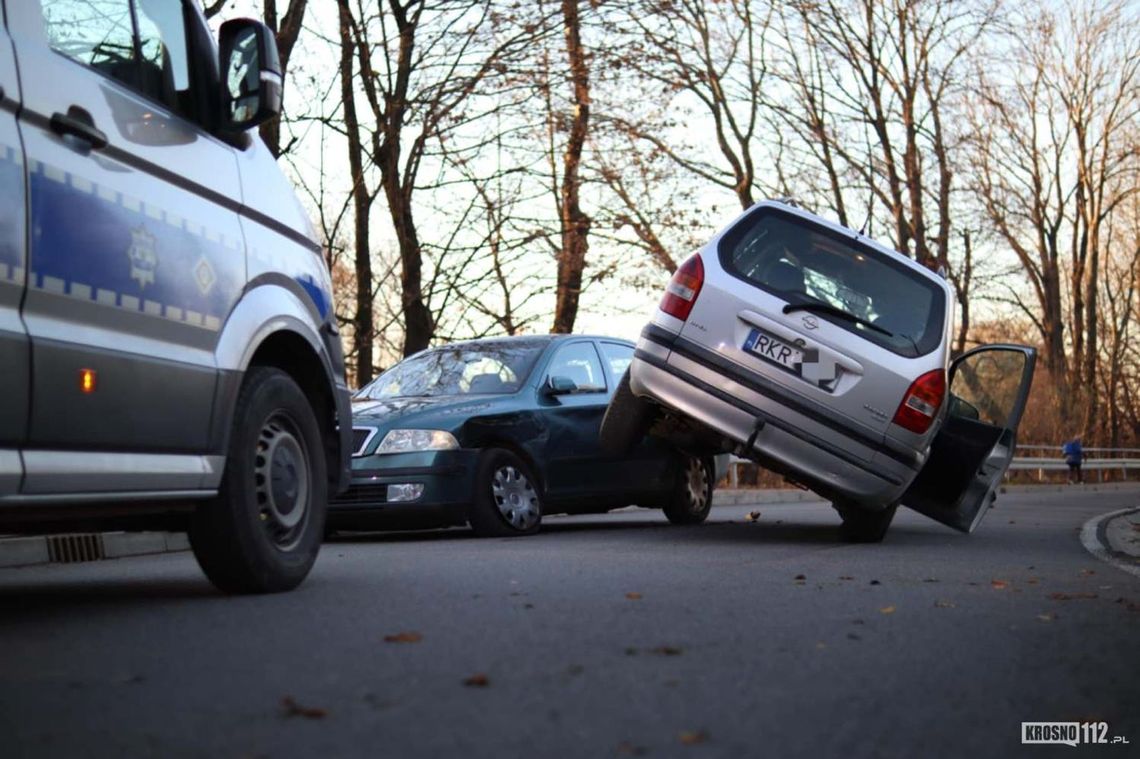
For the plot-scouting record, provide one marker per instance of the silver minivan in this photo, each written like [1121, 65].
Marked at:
[825, 357]
[169, 355]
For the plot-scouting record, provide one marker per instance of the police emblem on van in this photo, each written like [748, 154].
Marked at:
[143, 257]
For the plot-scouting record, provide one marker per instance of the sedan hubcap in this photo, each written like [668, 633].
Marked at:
[515, 498]
[281, 480]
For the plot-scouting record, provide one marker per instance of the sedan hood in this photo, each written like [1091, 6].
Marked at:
[444, 412]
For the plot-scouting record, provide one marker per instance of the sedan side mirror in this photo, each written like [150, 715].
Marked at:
[251, 74]
[556, 385]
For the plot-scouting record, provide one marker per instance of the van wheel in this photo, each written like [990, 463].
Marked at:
[863, 526]
[508, 501]
[262, 533]
[626, 421]
[691, 499]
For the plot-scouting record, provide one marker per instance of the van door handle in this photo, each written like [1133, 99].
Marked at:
[78, 123]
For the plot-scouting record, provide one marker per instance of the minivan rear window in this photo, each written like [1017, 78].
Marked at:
[806, 264]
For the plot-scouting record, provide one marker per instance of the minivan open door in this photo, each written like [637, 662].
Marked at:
[974, 447]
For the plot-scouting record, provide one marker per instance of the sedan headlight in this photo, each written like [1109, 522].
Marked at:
[406, 441]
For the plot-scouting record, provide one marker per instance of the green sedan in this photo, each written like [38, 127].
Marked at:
[497, 433]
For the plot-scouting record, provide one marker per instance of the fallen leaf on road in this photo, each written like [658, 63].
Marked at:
[875, 582]
[752, 516]
[943, 605]
[887, 610]
[666, 651]
[293, 709]
[1130, 605]
[693, 738]
[931, 579]
[628, 749]
[1070, 596]
[999, 584]
[853, 636]
[1012, 522]
[477, 681]
[1031, 581]
[631, 651]
[1087, 572]
[1046, 617]
[799, 577]
[633, 596]
[404, 637]
[846, 577]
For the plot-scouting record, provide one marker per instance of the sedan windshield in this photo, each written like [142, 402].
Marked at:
[480, 368]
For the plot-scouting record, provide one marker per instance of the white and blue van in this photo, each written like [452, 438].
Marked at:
[169, 356]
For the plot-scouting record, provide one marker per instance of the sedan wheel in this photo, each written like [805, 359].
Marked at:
[508, 498]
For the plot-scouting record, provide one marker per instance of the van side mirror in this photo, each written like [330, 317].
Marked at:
[251, 74]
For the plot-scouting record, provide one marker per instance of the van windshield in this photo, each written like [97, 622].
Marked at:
[836, 278]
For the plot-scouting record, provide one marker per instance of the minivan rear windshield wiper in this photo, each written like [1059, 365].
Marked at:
[824, 308]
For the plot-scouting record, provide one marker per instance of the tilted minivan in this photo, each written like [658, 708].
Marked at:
[169, 351]
[825, 357]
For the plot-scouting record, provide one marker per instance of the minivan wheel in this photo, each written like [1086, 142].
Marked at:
[691, 499]
[626, 421]
[508, 499]
[262, 532]
[863, 526]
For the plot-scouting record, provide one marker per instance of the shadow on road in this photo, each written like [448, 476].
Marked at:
[66, 593]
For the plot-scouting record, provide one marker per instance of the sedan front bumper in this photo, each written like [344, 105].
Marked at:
[447, 479]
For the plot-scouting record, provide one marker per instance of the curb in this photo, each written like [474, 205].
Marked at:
[69, 549]
[1104, 537]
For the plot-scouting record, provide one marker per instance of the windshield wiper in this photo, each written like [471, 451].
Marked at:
[824, 308]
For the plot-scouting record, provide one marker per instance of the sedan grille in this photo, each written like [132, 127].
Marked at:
[362, 495]
[361, 436]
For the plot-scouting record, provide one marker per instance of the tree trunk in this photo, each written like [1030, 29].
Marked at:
[362, 322]
[575, 223]
[287, 33]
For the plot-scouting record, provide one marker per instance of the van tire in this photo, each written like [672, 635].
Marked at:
[863, 526]
[627, 420]
[691, 498]
[261, 534]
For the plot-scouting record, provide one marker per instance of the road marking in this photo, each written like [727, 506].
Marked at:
[1091, 539]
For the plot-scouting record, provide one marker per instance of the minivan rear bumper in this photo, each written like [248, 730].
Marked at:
[831, 469]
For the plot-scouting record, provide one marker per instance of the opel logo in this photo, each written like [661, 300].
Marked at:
[811, 322]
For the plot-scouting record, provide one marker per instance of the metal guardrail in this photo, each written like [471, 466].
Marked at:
[1040, 464]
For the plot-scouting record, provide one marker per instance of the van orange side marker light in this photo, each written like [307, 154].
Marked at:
[87, 380]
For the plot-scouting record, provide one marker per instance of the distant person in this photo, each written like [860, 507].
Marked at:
[1073, 454]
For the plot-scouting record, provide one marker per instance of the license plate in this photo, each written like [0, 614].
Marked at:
[776, 351]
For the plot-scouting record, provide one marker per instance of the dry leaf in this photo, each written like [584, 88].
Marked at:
[943, 605]
[1070, 596]
[887, 610]
[846, 577]
[404, 637]
[477, 681]
[999, 584]
[293, 709]
[693, 738]
[633, 596]
[1087, 572]
[800, 577]
[628, 749]
[667, 651]
[752, 516]
[875, 582]
[1130, 605]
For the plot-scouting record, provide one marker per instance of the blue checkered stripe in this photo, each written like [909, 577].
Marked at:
[12, 215]
[94, 243]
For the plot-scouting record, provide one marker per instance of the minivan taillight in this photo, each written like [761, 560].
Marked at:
[921, 403]
[684, 288]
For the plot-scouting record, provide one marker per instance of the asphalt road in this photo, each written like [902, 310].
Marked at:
[617, 635]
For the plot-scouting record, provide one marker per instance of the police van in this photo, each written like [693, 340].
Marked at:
[169, 356]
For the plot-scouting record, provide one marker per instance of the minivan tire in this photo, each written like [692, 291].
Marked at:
[508, 497]
[626, 421]
[262, 532]
[862, 525]
[691, 498]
